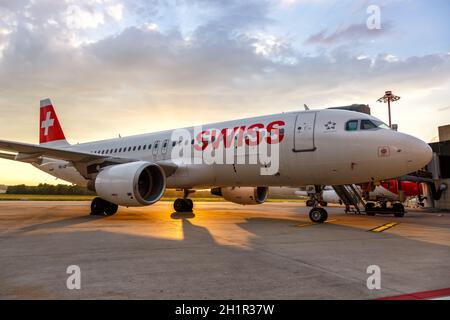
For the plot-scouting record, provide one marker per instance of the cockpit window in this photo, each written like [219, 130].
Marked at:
[352, 125]
[367, 125]
[381, 124]
[373, 124]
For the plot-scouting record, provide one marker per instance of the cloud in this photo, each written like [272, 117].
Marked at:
[137, 66]
[231, 62]
[115, 11]
[354, 32]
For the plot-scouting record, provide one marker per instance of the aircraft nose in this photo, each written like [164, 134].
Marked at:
[419, 153]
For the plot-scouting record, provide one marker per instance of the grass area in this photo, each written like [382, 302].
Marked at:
[35, 197]
[38, 197]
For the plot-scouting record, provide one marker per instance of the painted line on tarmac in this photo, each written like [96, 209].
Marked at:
[384, 227]
[313, 223]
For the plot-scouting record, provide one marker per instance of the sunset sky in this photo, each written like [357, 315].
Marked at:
[127, 67]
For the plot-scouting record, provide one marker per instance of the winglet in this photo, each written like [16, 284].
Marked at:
[50, 130]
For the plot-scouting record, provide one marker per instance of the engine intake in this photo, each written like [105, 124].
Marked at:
[131, 184]
[242, 195]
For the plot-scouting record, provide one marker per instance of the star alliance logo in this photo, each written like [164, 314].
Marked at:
[330, 125]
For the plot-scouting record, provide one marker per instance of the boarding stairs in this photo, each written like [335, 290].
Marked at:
[350, 196]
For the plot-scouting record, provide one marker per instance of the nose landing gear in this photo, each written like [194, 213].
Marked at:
[183, 205]
[318, 215]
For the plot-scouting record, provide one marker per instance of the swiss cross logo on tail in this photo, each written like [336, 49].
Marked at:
[50, 129]
[47, 123]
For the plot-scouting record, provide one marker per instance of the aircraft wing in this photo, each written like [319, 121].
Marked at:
[26, 149]
[7, 156]
[81, 160]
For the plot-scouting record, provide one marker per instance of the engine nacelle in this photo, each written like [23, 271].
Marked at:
[242, 195]
[330, 196]
[133, 184]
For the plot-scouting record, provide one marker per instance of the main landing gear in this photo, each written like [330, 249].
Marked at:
[100, 207]
[184, 204]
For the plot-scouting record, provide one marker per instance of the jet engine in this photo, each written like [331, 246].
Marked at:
[242, 195]
[131, 184]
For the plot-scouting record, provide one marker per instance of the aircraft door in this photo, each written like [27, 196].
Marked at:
[304, 132]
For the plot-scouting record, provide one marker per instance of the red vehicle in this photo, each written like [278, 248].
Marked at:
[389, 192]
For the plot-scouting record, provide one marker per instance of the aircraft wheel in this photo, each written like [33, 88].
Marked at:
[183, 205]
[97, 206]
[310, 203]
[111, 209]
[190, 204]
[318, 215]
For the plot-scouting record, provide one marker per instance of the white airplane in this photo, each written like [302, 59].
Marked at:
[316, 147]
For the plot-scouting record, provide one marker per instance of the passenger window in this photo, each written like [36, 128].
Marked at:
[173, 144]
[134, 148]
[139, 148]
[367, 125]
[351, 125]
[115, 151]
[144, 147]
[149, 146]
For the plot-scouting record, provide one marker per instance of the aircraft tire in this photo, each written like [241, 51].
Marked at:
[310, 203]
[318, 215]
[111, 209]
[190, 204]
[183, 205]
[97, 206]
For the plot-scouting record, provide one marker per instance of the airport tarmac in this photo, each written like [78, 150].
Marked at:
[222, 251]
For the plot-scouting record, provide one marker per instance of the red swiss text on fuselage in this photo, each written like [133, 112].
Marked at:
[250, 135]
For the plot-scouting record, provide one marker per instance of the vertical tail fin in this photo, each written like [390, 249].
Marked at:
[50, 131]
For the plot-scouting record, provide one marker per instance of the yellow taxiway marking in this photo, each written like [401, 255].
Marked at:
[384, 227]
[313, 223]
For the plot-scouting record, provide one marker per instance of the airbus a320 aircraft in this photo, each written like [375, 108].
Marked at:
[316, 147]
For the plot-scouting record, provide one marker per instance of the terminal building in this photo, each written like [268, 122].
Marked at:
[439, 168]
